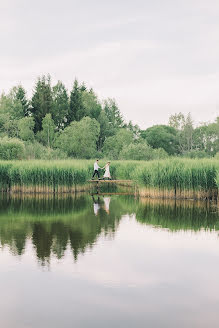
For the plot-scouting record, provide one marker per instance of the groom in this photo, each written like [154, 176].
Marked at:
[96, 168]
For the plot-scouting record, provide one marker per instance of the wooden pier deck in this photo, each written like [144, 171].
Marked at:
[111, 181]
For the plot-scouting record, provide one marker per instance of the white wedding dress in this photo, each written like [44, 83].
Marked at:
[107, 172]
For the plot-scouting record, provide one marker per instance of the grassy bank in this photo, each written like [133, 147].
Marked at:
[171, 178]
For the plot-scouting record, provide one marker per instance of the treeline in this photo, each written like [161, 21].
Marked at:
[55, 123]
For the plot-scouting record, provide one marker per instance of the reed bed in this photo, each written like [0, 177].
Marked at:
[171, 178]
[179, 178]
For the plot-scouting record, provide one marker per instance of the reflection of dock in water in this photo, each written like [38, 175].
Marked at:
[109, 187]
[124, 183]
[112, 193]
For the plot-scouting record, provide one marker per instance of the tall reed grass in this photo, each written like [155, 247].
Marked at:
[176, 178]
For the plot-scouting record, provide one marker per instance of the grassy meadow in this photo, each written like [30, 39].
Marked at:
[170, 178]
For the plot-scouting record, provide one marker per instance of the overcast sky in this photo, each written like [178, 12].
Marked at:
[154, 57]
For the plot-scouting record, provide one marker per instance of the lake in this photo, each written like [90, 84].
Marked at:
[108, 261]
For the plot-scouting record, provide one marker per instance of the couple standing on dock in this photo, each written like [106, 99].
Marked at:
[97, 167]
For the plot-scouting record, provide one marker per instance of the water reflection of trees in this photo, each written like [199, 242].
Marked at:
[178, 215]
[55, 224]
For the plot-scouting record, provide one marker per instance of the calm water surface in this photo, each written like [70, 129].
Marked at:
[108, 261]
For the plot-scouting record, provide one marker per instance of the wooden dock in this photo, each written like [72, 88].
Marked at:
[111, 181]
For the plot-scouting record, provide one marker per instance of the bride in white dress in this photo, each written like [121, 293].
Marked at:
[107, 171]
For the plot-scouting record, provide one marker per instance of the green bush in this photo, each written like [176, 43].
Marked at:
[37, 151]
[196, 154]
[11, 148]
[142, 151]
[137, 152]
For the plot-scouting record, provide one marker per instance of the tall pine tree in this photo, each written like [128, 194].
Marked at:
[22, 98]
[76, 108]
[113, 113]
[60, 105]
[41, 101]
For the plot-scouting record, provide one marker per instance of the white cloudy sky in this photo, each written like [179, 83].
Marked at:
[154, 57]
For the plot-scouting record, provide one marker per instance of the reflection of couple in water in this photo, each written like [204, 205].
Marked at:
[106, 168]
[98, 204]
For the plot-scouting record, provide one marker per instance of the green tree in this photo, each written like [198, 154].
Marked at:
[79, 139]
[11, 128]
[4, 119]
[26, 127]
[60, 105]
[10, 105]
[113, 113]
[106, 129]
[162, 136]
[177, 121]
[11, 148]
[184, 126]
[134, 129]
[22, 98]
[10, 112]
[47, 134]
[206, 138]
[142, 151]
[114, 145]
[41, 101]
[90, 103]
[76, 108]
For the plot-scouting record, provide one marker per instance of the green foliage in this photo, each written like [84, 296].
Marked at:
[80, 138]
[177, 121]
[142, 151]
[47, 134]
[196, 154]
[11, 148]
[10, 128]
[161, 136]
[217, 179]
[51, 116]
[179, 174]
[41, 101]
[160, 153]
[174, 174]
[105, 129]
[176, 216]
[114, 145]
[26, 127]
[35, 150]
[76, 109]
[10, 105]
[134, 129]
[60, 105]
[91, 105]
[20, 95]
[113, 113]
[185, 131]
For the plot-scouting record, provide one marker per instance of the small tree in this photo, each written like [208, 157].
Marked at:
[47, 135]
[25, 127]
[79, 139]
[11, 148]
[113, 145]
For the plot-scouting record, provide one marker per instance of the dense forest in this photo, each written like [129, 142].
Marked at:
[57, 124]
